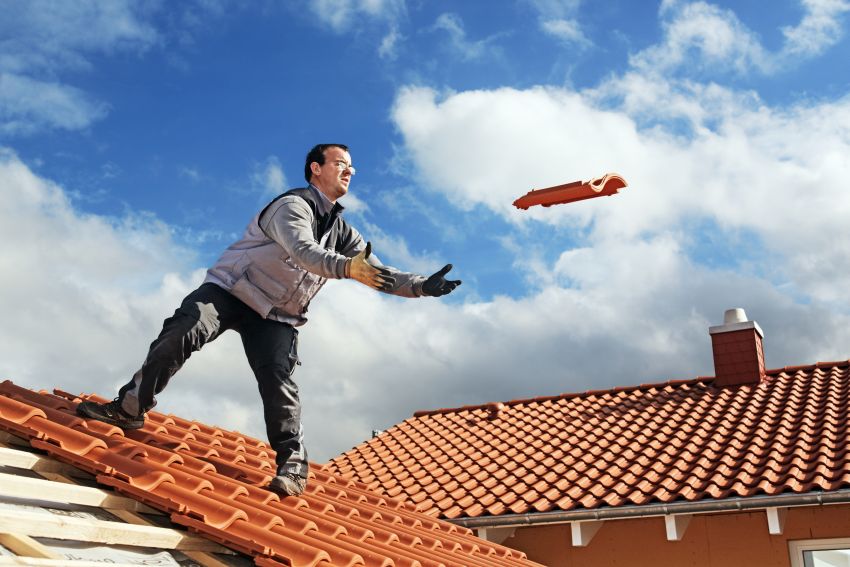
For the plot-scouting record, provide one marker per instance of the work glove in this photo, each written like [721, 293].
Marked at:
[360, 269]
[437, 285]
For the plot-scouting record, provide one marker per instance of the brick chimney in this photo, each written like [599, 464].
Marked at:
[738, 351]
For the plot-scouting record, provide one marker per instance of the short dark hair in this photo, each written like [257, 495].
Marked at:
[317, 154]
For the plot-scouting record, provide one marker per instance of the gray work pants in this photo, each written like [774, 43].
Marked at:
[272, 351]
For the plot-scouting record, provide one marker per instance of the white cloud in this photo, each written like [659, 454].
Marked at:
[567, 30]
[45, 35]
[75, 274]
[353, 204]
[269, 178]
[389, 44]
[28, 105]
[393, 250]
[46, 42]
[557, 18]
[190, 173]
[461, 45]
[47, 38]
[756, 170]
[819, 29]
[555, 9]
[698, 33]
[699, 36]
[505, 133]
[344, 15]
[359, 16]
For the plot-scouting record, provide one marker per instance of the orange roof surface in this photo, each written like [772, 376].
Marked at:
[678, 441]
[210, 480]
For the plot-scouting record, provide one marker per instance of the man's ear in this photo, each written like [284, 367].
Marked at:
[315, 168]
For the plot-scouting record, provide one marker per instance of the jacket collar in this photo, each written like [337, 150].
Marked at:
[323, 203]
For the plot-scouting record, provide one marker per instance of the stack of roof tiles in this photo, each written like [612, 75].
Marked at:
[677, 441]
[211, 480]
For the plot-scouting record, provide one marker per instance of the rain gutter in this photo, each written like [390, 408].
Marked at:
[737, 504]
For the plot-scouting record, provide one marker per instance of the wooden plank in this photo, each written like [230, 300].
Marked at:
[62, 562]
[205, 559]
[82, 529]
[27, 546]
[65, 492]
[57, 477]
[25, 460]
[131, 517]
[132, 505]
[200, 557]
[17, 458]
[12, 439]
[59, 491]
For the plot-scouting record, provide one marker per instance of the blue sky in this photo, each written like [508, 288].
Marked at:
[137, 140]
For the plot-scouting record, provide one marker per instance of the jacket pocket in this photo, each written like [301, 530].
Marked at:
[259, 291]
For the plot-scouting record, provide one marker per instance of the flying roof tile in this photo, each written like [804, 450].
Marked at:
[654, 443]
[210, 481]
[606, 185]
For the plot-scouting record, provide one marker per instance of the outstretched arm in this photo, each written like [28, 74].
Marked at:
[404, 284]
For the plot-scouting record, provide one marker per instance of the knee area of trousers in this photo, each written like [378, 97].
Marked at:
[276, 371]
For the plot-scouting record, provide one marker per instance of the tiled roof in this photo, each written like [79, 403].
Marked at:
[209, 480]
[678, 441]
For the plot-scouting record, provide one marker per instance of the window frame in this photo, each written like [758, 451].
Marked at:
[797, 547]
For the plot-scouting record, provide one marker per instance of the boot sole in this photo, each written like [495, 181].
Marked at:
[81, 411]
[280, 488]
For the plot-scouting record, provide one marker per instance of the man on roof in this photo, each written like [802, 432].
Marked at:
[261, 287]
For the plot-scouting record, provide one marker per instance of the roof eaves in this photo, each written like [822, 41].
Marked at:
[736, 504]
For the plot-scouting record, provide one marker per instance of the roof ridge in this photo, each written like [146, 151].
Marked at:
[819, 365]
[566, 395]
[645, 386]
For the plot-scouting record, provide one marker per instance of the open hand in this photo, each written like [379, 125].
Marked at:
[438, 285]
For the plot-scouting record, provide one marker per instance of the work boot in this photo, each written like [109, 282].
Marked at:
[111, 413]
[288, 484]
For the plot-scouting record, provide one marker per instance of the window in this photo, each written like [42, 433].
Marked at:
[820, 552]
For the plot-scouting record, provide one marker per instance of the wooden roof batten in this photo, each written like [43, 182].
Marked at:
[20, 528]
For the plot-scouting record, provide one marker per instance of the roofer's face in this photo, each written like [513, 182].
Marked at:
[334, 176]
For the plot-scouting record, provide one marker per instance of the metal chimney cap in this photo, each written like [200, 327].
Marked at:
[736, 315]
[735, 320]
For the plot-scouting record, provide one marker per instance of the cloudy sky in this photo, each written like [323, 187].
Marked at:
[138, 138]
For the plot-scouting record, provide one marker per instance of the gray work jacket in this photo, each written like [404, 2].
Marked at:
[287, 253]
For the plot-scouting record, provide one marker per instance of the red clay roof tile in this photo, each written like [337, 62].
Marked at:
[678, 440]
[211, 480]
